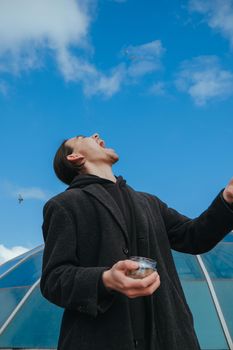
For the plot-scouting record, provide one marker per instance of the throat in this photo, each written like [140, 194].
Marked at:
[103, 172]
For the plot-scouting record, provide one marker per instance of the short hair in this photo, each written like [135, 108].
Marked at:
[64, 169]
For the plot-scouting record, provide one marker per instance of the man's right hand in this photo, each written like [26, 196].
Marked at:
[116, 279]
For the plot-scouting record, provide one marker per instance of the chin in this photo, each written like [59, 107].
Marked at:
[113, 155]
[115, 159]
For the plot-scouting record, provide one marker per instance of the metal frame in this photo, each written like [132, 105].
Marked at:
[19, 306]
[216, 302]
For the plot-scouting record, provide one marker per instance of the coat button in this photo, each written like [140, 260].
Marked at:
[125, 250]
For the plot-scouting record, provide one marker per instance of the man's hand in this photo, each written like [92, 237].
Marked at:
[116, 279]
[228, 192]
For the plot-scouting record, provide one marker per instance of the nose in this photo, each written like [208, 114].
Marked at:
[96, 136]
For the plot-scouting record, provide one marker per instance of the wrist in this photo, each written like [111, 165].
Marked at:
[106, 278]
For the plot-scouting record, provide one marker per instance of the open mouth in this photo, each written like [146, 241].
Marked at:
[102, 144]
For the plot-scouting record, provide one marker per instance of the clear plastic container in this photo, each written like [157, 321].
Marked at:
[146, 267]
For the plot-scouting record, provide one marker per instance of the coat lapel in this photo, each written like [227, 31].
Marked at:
[108, 202]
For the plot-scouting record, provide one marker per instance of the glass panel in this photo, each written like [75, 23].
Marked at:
[7, 265]
[224, 291]
[9, 299]
[25, 274]
[206, 321]
[229, 237]
[36, 325]
[219, 263]
[187, 266]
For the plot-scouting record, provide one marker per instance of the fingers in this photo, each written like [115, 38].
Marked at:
[139, 287]
[228, 192]
[126, 265]
[144, 282]
[116, 279]
[128, 282]
[134, 293]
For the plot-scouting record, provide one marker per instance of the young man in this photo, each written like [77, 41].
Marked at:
[92, 229]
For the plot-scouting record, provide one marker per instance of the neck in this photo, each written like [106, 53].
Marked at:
[104, 171]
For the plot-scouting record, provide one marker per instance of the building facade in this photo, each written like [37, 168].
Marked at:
[28, 321]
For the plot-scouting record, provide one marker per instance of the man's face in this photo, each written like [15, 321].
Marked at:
[92, 149]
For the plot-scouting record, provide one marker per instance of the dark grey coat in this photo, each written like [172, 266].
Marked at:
[85, 234]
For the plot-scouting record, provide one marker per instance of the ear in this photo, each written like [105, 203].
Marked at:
[75, 158]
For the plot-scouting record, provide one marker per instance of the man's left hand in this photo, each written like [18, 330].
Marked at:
[228, 192]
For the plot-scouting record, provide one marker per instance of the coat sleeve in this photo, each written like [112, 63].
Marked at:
[63, 281]
[199, 235]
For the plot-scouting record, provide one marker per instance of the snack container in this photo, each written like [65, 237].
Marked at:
[146, 267]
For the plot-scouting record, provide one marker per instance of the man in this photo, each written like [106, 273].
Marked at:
[92, 229]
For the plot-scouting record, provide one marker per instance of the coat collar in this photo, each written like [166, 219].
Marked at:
[108, 202]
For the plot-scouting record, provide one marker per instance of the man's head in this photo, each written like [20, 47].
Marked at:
[79, 154]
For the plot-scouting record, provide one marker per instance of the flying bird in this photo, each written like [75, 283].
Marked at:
[20, 199]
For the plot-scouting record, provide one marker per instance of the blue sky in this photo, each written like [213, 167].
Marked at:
[155, 79]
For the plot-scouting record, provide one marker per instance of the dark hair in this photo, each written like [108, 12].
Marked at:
[65, 170]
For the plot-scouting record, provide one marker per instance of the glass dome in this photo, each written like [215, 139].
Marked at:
[28, 321]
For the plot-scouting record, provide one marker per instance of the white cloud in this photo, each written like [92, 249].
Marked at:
[158, 89]
[93, 81]
[204, 79]
[26, 192]
[10, 253]
[29, 28]
[31, 193]
[145, 58]
[26, 26]
[32, 30]
[142, 59]
[138, 69]
[106, 85]
[218, 14]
